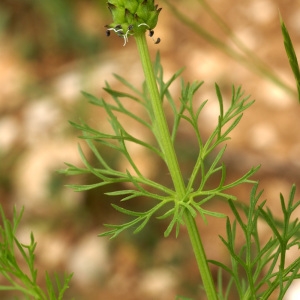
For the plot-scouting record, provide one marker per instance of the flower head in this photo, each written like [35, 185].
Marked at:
[132, 17]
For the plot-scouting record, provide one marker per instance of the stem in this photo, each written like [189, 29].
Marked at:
[163, 136]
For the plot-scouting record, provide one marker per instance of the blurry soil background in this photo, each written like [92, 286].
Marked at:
[52, 50]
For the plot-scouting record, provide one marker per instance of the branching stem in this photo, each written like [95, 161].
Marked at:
[163, 136]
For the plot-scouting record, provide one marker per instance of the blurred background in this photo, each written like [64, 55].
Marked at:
[50, 51]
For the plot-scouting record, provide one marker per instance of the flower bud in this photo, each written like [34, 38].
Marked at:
[131, 17]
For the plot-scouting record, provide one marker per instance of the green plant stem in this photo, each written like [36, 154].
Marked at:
[163, 136]
[200, 255]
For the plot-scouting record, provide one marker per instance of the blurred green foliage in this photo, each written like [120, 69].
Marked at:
[46, 28]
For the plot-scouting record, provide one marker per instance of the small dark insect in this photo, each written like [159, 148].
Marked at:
[118, 27]
[157, 41]
[107, 32]
[151, 32]
[130, 27]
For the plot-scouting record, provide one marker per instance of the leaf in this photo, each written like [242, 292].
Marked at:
[289, 48]
[118, 94]
[127, 212]
[119, 108]
[165, 86]
[129, 85]
[20, 273]
[220, 99]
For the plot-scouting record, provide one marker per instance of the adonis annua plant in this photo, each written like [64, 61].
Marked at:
[258, 270]
[262, 266]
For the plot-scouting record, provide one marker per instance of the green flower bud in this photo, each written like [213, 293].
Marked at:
[131, 17]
